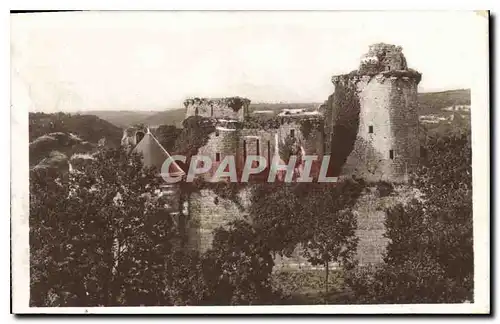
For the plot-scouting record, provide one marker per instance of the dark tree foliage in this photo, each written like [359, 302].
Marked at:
[384, 188]
[184, 271]
[237, 268]
[63, 143]
[277, 212]
[314, 215]
[307, 125]
[101, 238]
[430, 255]
[167, 136]
[269, 123]
[289, 214]
[446, 182]
[195, 134]
[331, 235]
[236, 103]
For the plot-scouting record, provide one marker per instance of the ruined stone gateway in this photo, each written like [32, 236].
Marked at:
[369, 127]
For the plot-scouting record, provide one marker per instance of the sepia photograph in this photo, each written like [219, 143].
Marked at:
[291, 161]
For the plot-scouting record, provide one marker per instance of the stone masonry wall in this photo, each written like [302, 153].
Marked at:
[382, 57]
[235, 108]
[208, 211]
[388, 121]
[223, 142]
[370, 210]
[405, 124]
[312, 142]
[250, 138]
[371, 127]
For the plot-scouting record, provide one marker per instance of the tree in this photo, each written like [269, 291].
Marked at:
[331, 235]
[185, 275]
[333, 240]
[237, 268]
[102, 237]
[311, 214]
[446, 182]
[430, 252]
[276, 213]
[45, 238]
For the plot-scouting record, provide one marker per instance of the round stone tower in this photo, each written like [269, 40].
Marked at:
[374, 120]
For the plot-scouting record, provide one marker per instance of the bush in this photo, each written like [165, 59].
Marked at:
[430, 253]
[237, 268]
[384, 188]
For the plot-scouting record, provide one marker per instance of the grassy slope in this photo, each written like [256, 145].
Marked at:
[122, 118]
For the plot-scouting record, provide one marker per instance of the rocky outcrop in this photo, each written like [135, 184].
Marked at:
[55, 165]
[65, 143]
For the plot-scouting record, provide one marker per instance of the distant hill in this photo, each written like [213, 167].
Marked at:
[89, 128]
[168, 117]
[175, 116]
[429, 102]
[57, 138]
[122, 118]
[128, 118]
[433, 102]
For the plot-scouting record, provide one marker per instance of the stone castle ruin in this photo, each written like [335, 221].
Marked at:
[372, 118]
[369, 127]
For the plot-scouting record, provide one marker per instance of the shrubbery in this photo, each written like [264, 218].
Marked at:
[237, 268]
[101, 238]
[430, 256]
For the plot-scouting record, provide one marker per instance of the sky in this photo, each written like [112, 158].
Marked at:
[154, 60]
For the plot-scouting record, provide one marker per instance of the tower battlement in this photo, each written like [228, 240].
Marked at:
[235, 108]
[356, 76]
[383, 57]
[383, 61]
